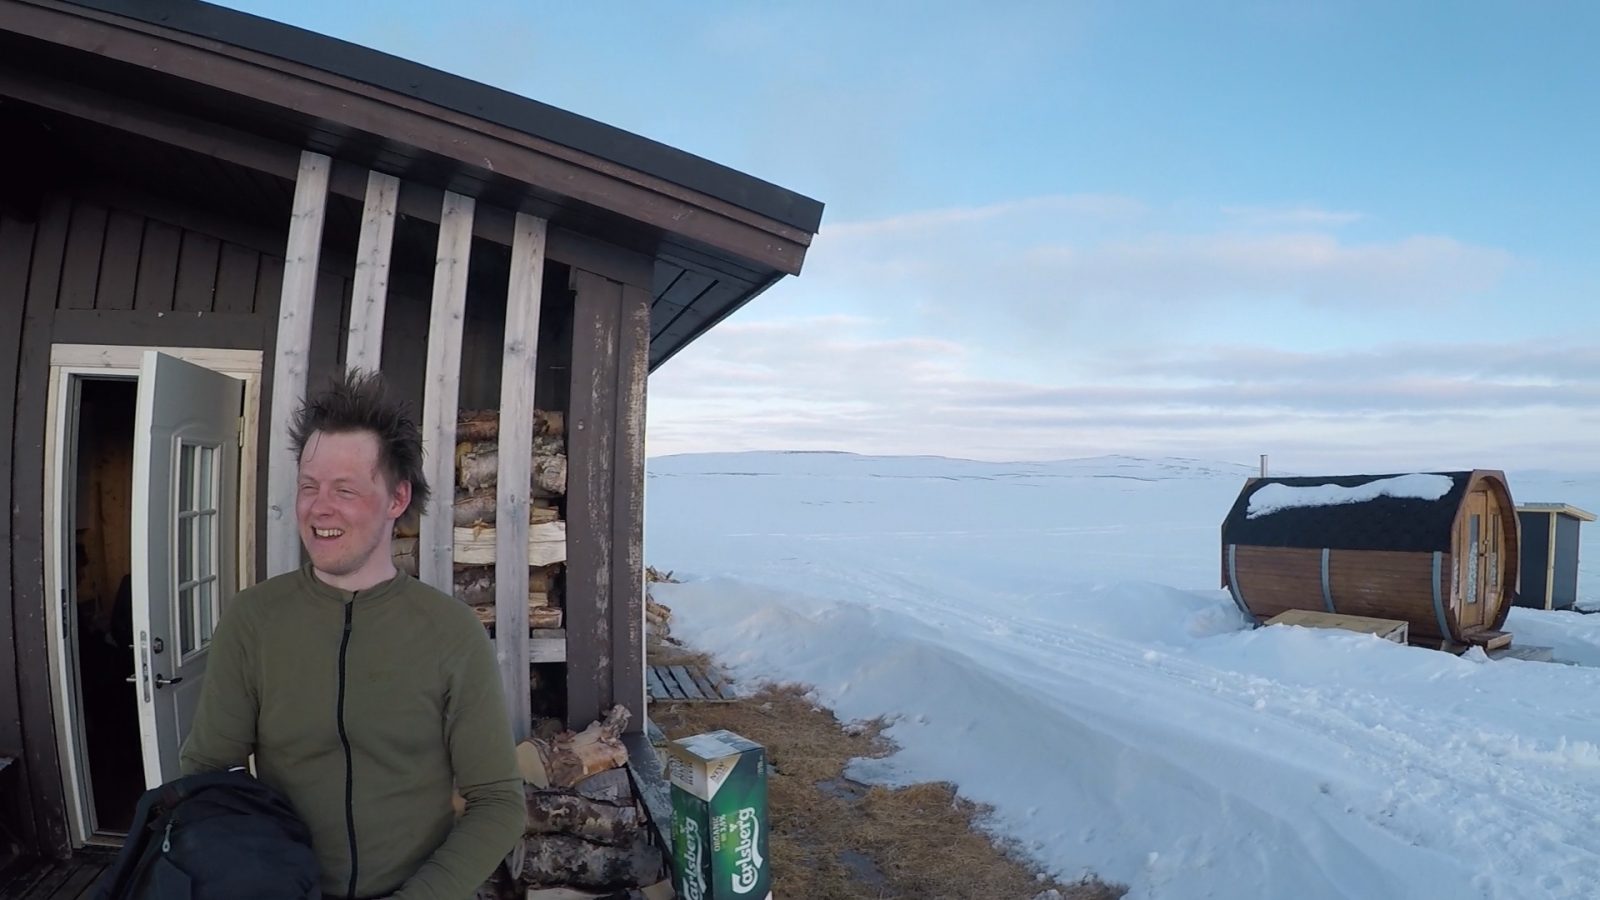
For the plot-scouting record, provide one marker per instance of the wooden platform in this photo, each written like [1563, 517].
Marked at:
[50, 879]
[1388, 629]
[688, 684]
[1524, 651]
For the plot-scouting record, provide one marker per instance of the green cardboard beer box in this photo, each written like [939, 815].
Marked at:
[719, 818]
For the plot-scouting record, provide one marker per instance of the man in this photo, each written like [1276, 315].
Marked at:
[366, 696]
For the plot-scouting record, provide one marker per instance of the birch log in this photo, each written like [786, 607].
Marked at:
[559, 812]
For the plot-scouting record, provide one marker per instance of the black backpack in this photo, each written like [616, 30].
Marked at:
[214, 836]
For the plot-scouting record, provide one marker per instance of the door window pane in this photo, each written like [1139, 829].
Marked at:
[185, 549]
[1474, 524]
[186, 473]
[205, 611]
[186, 618]
[205, 491]
[205, 552]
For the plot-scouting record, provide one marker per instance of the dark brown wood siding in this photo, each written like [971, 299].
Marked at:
[42, 768]
[123, 259]
[16, 250]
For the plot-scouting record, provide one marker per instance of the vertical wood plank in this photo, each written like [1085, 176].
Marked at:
[591, 458]
[31, 633]
[372, 273]
[269, 286]
[518, 369]
[197, 273]
[158, 267]
[627, 508]
[441, 392]
[119, 262]
[236, 279]
[290, 359]
[80, 273]
[16, 253]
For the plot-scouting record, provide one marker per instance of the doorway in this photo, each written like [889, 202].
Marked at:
[150, 530]
[102, 563]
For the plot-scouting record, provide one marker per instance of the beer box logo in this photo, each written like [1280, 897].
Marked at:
[747, 859]
[694, 879]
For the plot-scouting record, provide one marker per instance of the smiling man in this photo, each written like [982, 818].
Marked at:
[366, 697]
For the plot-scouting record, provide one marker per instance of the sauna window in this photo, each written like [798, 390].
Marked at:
[1494, 554]
[1474, 526]
[197, 544]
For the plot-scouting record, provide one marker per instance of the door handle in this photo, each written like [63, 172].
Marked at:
[162, 680]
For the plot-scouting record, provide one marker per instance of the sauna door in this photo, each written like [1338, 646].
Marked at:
[185, 506]
[1474, 541]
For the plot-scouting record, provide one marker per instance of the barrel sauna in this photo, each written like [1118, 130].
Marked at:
[1437, 550]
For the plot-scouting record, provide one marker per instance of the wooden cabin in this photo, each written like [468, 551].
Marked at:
[203, 212]
[1435, 550]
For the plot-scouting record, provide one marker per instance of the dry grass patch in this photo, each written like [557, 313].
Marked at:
[834, 839]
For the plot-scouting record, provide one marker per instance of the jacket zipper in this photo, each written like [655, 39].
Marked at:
[349, 757]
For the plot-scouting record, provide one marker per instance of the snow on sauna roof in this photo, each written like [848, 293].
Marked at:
[1275, 497]
[1402, 512]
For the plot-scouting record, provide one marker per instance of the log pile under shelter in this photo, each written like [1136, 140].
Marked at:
[476, 471]
[586, 834]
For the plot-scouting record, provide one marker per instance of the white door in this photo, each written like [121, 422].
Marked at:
[185, 504]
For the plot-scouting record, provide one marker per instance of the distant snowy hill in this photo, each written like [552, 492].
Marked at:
[1051, 637]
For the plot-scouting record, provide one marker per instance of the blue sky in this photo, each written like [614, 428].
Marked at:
[1350, 235]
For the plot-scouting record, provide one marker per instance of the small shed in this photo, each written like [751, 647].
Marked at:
[1550, 554]
[1437, 550]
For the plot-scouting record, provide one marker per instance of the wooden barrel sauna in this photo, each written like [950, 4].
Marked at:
[1437, 550]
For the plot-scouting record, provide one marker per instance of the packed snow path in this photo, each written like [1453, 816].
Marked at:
[1120, 725]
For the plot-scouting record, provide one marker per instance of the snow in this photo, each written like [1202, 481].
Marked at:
[1050, 637]
[1275, 497]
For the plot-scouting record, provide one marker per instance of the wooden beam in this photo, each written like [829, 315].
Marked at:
[372, 273]
[16, 251]
[518, 370]
[591, 423]
[441, 391]
[627, 507]
[41, 760]
[292, 358]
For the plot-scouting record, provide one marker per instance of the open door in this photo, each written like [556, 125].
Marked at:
[185, 506]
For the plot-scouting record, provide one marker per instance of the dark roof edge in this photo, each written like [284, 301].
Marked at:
[482, 101]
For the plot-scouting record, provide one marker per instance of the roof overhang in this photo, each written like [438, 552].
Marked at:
[256, 92]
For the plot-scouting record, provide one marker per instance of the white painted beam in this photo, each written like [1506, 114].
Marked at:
[441, 392]
[290, 363]
[518, 372]
[371, 287]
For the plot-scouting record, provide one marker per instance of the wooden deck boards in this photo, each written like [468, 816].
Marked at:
[688, 684]
[31, 878]
[1389, 629]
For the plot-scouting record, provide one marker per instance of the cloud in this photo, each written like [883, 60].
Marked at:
[1021, 274]
[1107, 206]
[828, 383]
[1291, 217]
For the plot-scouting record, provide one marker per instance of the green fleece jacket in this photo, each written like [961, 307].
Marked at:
[366, 710]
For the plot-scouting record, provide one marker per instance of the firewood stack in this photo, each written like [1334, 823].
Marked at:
[477, 469]
[586, 830]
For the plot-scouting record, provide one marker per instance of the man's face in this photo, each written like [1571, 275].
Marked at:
[346, 509]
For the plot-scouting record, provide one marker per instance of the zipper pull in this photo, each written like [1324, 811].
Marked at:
[166, 840]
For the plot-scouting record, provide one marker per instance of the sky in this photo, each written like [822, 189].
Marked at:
[1351, 236]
